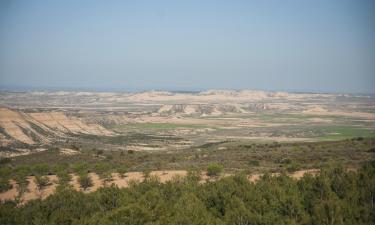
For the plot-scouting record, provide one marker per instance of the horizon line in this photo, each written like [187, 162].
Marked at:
[172, 90]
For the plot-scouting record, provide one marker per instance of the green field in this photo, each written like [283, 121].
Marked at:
[156, 126]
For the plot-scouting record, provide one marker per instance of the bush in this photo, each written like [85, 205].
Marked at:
[146, 173]
[194, 175]
[4, 185]
[293, 167]
[42, 182]
[85, 181]
[99, 152]
[214, 169]
[64, 177]
[5, 172]
[4, 161]
[101, 168]
[122, 170]
[41, 169]
[253, 163]
[106, 177]
[80, 168]
[74, 147]
[359, 138]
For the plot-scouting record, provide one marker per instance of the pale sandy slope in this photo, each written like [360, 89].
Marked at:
[30, 128]
[122, 182]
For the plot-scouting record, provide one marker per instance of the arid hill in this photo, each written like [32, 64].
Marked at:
[41, 127]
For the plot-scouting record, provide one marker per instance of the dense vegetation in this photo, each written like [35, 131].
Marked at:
[336, 196]
[233, 155]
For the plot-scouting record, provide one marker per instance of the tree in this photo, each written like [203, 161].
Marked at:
[328, 212]
[190, 210]
[108, 198]
[236, 213]
[130, 215]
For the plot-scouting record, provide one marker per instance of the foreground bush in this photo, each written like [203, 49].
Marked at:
[85, 181]
[42, 182]
[214, 169]
[334, 197]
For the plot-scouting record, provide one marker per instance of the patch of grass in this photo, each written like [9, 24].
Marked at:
[129, 138]
[157, 126]
[343, 132]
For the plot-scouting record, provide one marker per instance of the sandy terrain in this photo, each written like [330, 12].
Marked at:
[60, 121]
[34, 192]
[74, 182]
[20, 151]
[11, 122]
[318, 110]
[164, 176]
[296, 175]
[11, 193]
[299, 174]
[68, 151]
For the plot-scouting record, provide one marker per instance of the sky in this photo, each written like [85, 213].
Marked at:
[289, 45]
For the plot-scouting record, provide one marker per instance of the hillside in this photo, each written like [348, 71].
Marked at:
[41, 127]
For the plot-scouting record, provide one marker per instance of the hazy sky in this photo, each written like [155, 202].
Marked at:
[299, 45]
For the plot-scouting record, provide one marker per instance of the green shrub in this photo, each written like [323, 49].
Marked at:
[5, 172]
[4, 185]
[85, 181]
[64, 177]
[214, 169]
[194, 175]
[122, 170]
[293, 167]
[101, 168]
[253, 163]
[4, 161]
[334, 196]
[80, 168]
[146, 173]
[99, 152]
[42, 182]
[41, 169]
